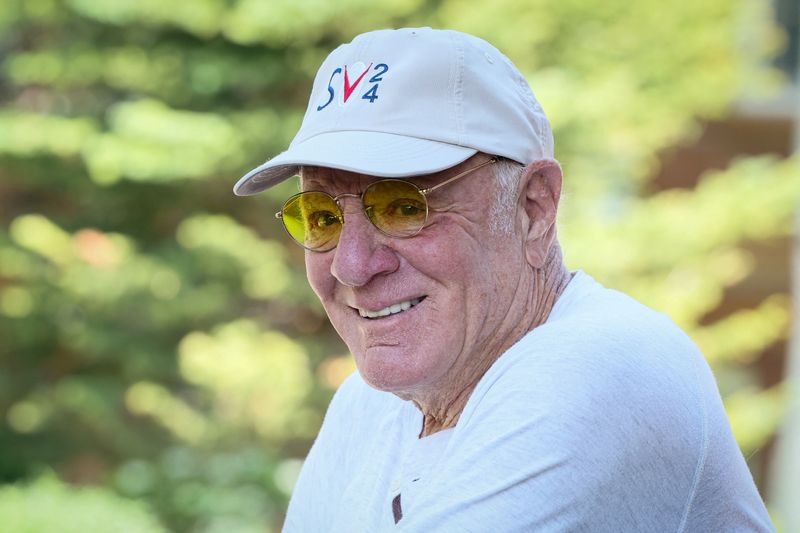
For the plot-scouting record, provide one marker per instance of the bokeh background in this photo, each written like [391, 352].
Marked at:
[163, 364]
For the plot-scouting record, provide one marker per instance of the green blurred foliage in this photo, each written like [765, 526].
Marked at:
[157, 337]
[47, 505]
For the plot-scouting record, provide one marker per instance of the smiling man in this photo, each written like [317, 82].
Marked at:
[496, 390]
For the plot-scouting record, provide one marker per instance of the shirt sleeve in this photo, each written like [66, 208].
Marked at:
[314, 499]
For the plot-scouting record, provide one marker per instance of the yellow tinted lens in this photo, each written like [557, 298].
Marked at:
[313, 219]
[396, 207]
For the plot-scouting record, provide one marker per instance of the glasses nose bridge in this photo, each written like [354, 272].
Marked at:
[338, 201]
[344, 195]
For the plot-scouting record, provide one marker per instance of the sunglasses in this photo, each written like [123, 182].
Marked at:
[397, 208]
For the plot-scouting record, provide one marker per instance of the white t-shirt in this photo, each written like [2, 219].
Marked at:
[605, 418]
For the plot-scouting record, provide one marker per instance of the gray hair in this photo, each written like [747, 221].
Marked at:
[507, 173]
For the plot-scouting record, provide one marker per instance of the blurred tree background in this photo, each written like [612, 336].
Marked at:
[163, 364]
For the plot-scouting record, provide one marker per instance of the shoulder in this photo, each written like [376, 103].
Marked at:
[335, 454]
[613, 385]
[601, 346]
[354, 412]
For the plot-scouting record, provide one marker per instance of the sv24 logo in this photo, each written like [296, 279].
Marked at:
[349, 86]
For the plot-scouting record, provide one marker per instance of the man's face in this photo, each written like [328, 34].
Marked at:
[452, 283]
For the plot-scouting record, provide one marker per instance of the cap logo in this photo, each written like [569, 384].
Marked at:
[340, 87]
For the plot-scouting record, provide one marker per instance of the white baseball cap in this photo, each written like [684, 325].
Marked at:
[399, 103]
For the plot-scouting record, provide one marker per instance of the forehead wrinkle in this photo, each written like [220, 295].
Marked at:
[327, 179]
[332, 180]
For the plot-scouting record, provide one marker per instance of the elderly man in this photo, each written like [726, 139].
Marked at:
[496, 390]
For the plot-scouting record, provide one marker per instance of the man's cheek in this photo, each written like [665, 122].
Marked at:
[320, 278]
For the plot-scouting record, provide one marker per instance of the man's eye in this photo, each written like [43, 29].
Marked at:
[324, 219]
[405, 208]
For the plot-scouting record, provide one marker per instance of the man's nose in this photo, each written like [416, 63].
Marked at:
[363, 252]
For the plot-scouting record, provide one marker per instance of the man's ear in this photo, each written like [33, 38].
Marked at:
[541, 192]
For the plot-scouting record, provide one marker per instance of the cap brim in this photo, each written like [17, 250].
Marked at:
[365, 152]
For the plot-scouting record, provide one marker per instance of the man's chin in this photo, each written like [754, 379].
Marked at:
[385, 370]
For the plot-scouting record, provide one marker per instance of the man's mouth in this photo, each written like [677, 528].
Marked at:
[390, 310]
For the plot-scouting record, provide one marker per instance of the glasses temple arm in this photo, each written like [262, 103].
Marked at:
[459, 175]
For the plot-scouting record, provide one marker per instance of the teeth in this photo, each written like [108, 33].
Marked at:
[391, 310]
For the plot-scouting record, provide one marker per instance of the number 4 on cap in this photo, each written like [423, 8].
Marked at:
[372, 94]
